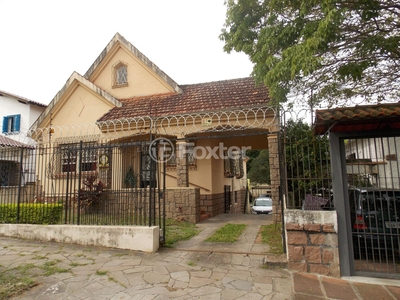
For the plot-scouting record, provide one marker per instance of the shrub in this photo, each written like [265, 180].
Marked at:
[35, 213]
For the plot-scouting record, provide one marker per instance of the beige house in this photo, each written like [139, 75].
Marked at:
[200, 131]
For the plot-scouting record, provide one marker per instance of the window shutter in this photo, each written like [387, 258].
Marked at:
[17, 122]
[5, 124]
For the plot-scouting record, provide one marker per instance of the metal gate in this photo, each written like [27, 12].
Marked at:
[372, 195]
[227, 198]
[373, 174]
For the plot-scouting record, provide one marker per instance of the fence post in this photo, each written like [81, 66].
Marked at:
[67, 186]
[20, 183]
[152, 191]
[78, 221]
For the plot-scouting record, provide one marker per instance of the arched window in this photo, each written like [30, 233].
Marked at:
[120, 75]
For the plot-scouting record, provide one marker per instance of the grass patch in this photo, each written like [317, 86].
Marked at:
[272, 235]
[50, 268]
[75, 264]
[228, 233]
[14, 284]
[16, 280]
[179, 231]
[26, 268]
[101, 273]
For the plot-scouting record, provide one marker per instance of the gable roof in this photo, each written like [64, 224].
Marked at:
[22, 99]
[119, 40]
[210, 96]
[358, 118]
[75, 77]
[7, 142]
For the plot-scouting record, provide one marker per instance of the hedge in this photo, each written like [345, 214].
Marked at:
[36, 213]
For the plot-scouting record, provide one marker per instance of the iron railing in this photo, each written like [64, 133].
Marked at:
[87, 183]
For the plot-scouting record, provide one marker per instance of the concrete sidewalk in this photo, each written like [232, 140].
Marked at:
[193, 270]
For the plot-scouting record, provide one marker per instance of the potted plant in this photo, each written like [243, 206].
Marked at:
[130, 178]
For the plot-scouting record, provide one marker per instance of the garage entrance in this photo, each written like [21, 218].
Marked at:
[372, 170]
[364, 146]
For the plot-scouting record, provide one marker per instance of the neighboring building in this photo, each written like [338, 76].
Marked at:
[125, 100]
[11, 152]
[18, 114]
[373, 161]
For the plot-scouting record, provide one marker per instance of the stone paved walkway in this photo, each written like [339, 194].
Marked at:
[193, 270]
[101, 273]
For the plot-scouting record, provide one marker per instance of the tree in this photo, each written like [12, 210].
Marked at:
[319, 50]
[251, 154]
[259, 171]
[307, 161]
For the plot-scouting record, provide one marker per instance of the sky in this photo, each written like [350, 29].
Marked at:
[42, 42]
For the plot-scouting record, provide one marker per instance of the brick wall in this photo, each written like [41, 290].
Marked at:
[215, 204]
[275, 177]
[312, 242]
[182, 203]
[212, 204]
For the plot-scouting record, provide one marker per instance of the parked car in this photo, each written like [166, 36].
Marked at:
[375, 220]
[262, 205]
[264, 195]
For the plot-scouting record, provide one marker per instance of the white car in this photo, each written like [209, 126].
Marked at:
[262, 205]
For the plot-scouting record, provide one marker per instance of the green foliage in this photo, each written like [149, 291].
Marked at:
[307, 160]
[229, 233]
[91, 192]
[318, 50]
[260, 170]
[358, 180]
[130, 178]
[251, 154]
[34, 213]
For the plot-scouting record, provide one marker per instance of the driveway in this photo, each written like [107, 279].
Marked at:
[247, 243]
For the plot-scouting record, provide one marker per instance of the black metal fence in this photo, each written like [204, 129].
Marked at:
[306, 165]
[87, 183]
[373, 189]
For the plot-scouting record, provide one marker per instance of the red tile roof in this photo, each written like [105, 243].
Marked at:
[211, 96]
[23, 99]
[7, 142]
[358, 118]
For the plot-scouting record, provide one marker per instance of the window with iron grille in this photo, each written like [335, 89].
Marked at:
[120, 71]
[9, 173]
[233, 165]
[170, 156]
[229, 166]
[11, 124]
[191, 155]
[70, 157]
[89, 158]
